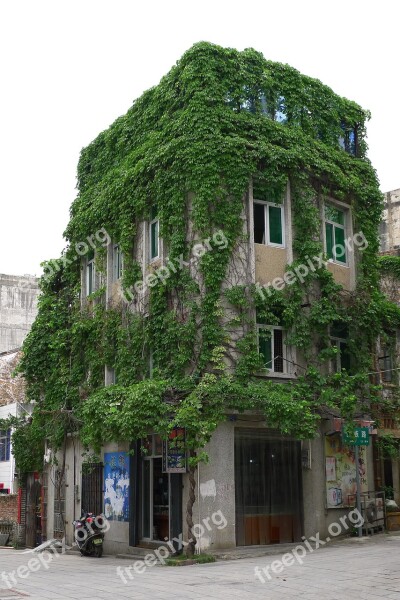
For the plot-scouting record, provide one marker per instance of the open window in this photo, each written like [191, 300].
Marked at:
[271, 347]
[335, 234]
[271, 344]
[269, 224]
[154, 238]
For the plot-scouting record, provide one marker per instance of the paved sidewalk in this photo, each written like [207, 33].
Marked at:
[350, 570]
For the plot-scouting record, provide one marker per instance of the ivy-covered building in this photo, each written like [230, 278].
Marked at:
[211, 324]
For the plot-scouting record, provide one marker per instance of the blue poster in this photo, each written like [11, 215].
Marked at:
[116, 486]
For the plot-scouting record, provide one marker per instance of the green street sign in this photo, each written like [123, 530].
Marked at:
[360, 437]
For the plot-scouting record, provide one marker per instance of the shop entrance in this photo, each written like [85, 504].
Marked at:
[155, 496]
[268, 489]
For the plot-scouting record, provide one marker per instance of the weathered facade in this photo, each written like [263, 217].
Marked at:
[390, 226]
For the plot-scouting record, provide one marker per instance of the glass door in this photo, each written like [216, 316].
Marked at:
[155, 492]
[268, 488]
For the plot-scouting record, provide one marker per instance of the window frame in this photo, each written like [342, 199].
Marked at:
[272, 329]
[118, 263]
[349, 139]
[345, 212]
[90, 277]
[387, 375]
[337, 360]
[155, 221]
[267, 231]
[5, 445]
[337, 340]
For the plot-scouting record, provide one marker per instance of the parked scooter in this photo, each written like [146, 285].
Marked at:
[89, 534]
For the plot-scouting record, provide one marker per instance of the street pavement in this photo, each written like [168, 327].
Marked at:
[351, 570]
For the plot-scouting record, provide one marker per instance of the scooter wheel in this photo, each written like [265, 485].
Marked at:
[98, 552]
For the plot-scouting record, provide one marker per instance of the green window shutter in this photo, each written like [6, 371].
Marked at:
[265, 347]
[154, 240]
[340, 252]
[275, 225]
[329, 239]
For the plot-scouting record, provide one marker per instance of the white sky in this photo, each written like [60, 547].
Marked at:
[68, 69]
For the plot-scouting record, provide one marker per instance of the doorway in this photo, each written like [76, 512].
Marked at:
[156, 492]
[268, 488]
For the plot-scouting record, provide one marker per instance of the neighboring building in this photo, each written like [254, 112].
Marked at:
[11, 404]
[390, 226]
[387, 464]
[18, 308]
[270, 487]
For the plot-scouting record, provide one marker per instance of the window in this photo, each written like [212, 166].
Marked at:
[268, 224]
[335, 229]
[111, 376]
[117, 263]
[280, 113]
[272, 348]
[90, 275]
[349, 139]
[154, 235]
[5, 444]
[385, 365]
[339, 338]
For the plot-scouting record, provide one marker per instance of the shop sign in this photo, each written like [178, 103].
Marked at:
[174, 452]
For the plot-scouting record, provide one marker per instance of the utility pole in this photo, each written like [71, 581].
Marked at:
[358, 486]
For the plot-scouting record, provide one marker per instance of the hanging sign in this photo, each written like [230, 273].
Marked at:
[174, 452]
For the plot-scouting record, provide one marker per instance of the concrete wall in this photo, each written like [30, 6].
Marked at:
[215, 491]
[390, 226]
[18, 307]
[342, 275]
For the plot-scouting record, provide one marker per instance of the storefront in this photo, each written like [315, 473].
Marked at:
[268, 488]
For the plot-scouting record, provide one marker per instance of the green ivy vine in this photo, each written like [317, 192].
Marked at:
[219, 118]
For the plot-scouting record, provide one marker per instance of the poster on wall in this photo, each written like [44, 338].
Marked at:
[116, 484]
[340, 469]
